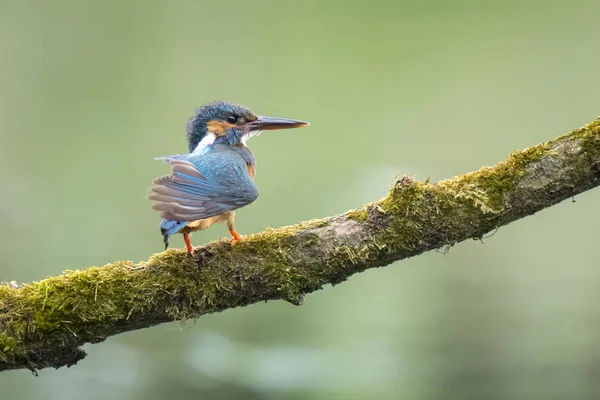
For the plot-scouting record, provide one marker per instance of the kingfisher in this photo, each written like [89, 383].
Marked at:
[216, 177]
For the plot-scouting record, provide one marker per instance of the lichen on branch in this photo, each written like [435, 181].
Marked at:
[43, 324]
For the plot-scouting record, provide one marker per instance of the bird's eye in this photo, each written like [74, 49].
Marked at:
[232, 119]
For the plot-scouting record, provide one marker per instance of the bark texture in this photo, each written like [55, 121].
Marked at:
[43, 324]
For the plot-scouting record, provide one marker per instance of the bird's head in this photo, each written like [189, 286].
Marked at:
[232, 124]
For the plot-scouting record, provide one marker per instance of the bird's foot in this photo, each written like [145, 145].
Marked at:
[236, 237]
[188, 244]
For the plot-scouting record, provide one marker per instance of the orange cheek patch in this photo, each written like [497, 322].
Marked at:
[219, 128]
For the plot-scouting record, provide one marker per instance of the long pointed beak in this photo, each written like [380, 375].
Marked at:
[272, 123]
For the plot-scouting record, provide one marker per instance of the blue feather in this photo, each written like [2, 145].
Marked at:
[203, 184]
[169, 228]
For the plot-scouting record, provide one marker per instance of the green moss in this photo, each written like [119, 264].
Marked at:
[486, 189]
[476, 198]
[86, 306]
[590, 139]
[275, 242]
[7, 344]
[453, 206]
[273, 266]
[406, 204]
[404, 198]
[360, 215]
[64, 312]
[79, 306]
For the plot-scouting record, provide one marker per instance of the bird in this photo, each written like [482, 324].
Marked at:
[216, 177]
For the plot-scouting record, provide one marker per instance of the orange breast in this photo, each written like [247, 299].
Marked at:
[202, 224]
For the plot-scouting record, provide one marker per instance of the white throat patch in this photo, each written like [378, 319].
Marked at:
[248, 135]
[210, 138]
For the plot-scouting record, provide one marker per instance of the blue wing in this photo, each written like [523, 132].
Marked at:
[202, 186]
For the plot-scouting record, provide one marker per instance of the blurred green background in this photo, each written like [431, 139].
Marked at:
[92, 91]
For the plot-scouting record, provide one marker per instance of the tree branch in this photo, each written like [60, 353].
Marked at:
[43, 324]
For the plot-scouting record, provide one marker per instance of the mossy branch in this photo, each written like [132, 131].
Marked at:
[44, 323]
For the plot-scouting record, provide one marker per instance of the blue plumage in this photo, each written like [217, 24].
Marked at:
[216, 111]
[206, 183]
[216, 177]
[169, 228]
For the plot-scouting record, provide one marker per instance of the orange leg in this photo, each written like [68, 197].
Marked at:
[231, 225]
[236, 236]
[188, 243]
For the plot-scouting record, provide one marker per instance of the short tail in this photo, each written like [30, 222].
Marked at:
[169, 228]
